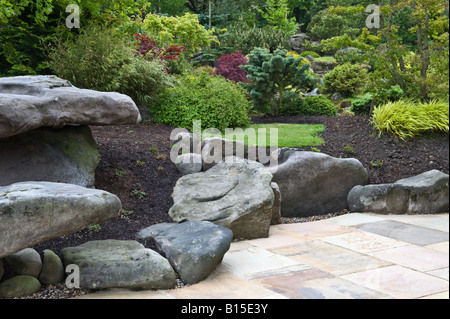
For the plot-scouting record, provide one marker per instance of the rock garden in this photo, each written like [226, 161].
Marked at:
[95, 194]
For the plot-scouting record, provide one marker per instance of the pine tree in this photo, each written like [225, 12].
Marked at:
[272, 75]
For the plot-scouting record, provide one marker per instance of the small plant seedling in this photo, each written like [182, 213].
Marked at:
[160, 169]
[140, 163]
[124, 212]
[161, 157]
[349, 149]
[376, 164]
[120, 173]
[315, 149]
[154, 149]
[94, 228]
[139, 194]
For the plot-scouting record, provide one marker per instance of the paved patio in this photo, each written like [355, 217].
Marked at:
[355, 256]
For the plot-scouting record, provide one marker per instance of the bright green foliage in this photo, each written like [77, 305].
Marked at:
[347, 79]
[289, 135]
[406, 118]
[304, 54]
[276, 14]
[217, 102]
[185, 30]
[272, 75]
[295, 104]
[318, 105]
[101, 59]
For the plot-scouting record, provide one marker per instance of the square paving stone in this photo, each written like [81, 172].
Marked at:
[363, 242]
[353, 219]
[317, 284]
[256, 261]
[414, 257]
[320, 228]
[434, 221]
[330, 258]
[223, 285]
[399, 282]
[413, 234]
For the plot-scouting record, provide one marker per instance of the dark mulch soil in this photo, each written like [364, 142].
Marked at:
[136, 158]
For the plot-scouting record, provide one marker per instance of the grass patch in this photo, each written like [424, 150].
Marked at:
[289, 135]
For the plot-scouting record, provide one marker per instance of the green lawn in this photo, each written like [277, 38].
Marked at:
[289, 135]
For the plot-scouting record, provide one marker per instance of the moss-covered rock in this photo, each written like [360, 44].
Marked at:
[19, 286]
[66, 155]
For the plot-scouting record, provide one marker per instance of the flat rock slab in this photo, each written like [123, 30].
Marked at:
[67, 155]
[236, 195]
[30, 102]
[34, 212]
[424, 193]
[120, 264]
[314, 183]
[194, 248]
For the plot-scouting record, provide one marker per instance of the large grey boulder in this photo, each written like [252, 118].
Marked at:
[236, 195]
[26, 262]
[30, 102]
[33, 212]
[314, 183]
[67, 155]
[120, 264]
[424, 193]
[193, 248]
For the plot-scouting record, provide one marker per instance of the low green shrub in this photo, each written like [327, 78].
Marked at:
[347, 79]
[361, 106]
[318, 105]
[407, 119]
[295, 104]
[217, 102]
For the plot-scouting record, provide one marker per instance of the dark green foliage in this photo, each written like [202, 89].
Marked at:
[347, 79]
[361, 106]
[272, 75]
[243, 38]
[394, 93]
[292, 104]
[217, 102]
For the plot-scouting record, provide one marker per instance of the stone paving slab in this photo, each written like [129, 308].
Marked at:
[413, 234]
[399, 282]
[355, 256]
